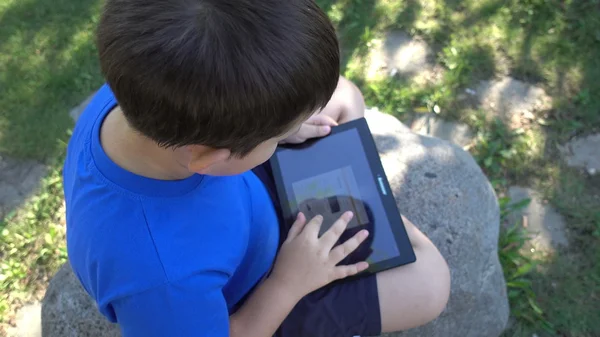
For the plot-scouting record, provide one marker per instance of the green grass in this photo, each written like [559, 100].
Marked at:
[48, 65]
[519, 268]
[553, 44]
[32, 243]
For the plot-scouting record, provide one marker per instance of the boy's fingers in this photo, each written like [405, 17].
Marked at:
[350, 270]
[316, 126]
[321, 119]
[308, 131]
[313, 227]
[297, 226]
[333, 234]
[340, 252]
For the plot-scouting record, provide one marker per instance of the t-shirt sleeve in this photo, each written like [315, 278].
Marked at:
[194, 306]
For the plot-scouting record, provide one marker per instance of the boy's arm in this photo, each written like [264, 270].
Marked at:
[346, 104]
[264, 311]
[195, 305]
[305, 263]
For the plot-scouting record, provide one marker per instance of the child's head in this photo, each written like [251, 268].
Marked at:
[221, 77]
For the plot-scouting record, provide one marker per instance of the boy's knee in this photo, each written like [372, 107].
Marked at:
[439, 292]
[436, 280]
[415, 294]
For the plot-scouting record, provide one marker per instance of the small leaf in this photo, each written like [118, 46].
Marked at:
[534, 306]
[520, 205]
[524, 269]
[522, 284]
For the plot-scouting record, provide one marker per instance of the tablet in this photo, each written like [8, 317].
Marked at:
[342, 172]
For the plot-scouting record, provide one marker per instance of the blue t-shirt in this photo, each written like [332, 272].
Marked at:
[162, 258]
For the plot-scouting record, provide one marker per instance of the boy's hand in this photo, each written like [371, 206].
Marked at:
[307, 262]
[316, 126]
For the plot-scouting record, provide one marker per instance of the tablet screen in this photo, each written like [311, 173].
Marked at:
[331, 176]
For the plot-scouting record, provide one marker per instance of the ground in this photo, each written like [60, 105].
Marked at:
[514, 82]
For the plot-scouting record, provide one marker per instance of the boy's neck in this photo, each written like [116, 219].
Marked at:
[139, 154]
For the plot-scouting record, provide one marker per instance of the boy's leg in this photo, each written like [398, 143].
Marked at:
[397, 299]
[414, 294]
[394, 300]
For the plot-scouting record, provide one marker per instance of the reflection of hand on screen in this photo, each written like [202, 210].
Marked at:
[331, 209]
[338, 182]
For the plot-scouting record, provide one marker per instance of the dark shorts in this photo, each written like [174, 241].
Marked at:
[341, 309]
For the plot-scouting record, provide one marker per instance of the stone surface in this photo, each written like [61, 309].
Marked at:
[19, 179]
[442, 190]
[511, 99]
[78, 110]
[28, 321]
[398, 53]
[67, 310]
[431, 125]
[545, 225]
[438, 186]
[583, 153]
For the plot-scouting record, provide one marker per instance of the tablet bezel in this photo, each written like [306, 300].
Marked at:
[380, 180]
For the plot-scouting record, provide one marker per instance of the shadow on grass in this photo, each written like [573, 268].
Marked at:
[411, 10]
[578, 70]
[47, 65]
[358, 18]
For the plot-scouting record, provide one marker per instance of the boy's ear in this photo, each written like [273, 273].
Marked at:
[203, 158]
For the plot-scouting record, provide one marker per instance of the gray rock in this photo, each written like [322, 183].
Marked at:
[399, 53]
[545, 225]
[406, 54]
[28, 321]
[441, 189]
[68, 311]
[583, 153]
[512, 100]
[438, 186]
[78, 110]
[19, 179]
[431, 125]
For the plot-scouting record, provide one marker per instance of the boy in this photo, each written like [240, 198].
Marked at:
[170, 231]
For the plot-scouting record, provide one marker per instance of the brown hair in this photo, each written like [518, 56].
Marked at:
[222, 73]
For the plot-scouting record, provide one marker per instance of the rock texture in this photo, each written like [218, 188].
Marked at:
[431, 125]
[28, 321]
[78, 110]
[438, 186]
[399, 53]
[512, 100]
[583, 153]
[441, 189]
[68, 311]
[545, 225]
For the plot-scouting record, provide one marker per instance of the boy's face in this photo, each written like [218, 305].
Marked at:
[262, 153]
